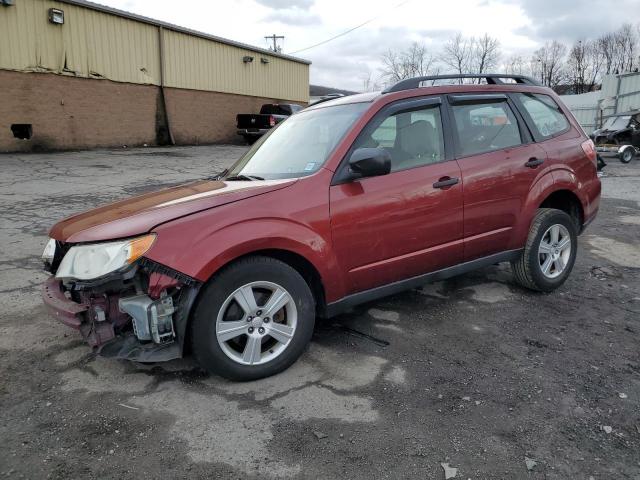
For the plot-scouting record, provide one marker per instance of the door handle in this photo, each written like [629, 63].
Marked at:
[534, 162]
[445, 182]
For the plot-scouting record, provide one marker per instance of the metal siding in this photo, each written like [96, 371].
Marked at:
[200, 64]
[90, 43]
[94, 44]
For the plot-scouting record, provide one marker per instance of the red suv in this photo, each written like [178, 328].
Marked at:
[344, 202]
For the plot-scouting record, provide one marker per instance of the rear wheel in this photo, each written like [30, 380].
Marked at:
[253, 320]
[550, 251]
[627, 154]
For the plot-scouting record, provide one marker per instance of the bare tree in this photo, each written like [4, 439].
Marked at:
[626, 43]
[547, 63]
[369, 83]
[416, 61]
[515, 65]
[458, 53]
[606, 46]
[583, 65]
[485, 54]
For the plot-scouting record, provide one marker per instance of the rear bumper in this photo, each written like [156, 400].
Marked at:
[592, 205]
[65, 310]
[255, 132]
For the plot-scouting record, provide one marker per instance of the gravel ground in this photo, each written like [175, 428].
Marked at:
[475, 373]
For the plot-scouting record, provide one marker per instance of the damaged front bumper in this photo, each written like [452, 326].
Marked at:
[140, 315]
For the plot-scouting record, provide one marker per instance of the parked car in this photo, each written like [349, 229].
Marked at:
[619, 129]
[252, 126]
[345, 202]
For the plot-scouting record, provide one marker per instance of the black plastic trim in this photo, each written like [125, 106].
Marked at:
[335, 308]
[155, 267]
[462, 99]
[490, 78]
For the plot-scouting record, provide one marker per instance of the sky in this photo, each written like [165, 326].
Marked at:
[521, 26]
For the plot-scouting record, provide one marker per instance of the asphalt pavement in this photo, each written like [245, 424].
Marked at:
[473, 374]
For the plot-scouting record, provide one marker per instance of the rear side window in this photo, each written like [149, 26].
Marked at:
[484, 127]
[546, 116]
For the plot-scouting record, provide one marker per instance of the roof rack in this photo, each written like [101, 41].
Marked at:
[326, 98]
[491, 78]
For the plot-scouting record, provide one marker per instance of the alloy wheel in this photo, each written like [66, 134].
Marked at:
[554, 251]
[256, 323]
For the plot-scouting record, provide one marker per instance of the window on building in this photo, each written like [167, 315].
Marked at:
[23, 131]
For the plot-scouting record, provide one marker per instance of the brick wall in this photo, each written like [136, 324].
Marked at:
[207, 117]
[74, 113]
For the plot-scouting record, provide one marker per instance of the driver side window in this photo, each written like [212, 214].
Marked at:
[413, 138]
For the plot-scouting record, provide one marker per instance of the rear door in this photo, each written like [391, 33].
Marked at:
[407, 222]
[499, 164]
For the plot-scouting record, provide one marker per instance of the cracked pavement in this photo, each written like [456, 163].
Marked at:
[473, 372]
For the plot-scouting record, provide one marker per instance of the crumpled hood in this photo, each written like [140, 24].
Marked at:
[138, 215]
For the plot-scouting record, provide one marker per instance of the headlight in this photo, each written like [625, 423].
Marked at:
[86, 262]
[49, 251]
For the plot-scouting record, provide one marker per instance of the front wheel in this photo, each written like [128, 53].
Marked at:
[253, 320]
[550, 251]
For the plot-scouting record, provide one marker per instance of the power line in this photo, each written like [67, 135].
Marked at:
[347, 31]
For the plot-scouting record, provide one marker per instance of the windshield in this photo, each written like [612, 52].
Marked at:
[617, 123]
[298, 146]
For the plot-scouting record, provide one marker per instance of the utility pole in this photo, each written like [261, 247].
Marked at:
[275, 39]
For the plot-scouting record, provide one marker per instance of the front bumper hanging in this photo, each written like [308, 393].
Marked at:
[124, 323]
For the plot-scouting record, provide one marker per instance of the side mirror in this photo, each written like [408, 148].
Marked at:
[370, 162]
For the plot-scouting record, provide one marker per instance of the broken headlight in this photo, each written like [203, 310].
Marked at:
[87, 262]
[49, 251]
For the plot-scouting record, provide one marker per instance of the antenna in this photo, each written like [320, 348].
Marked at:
[275, 38]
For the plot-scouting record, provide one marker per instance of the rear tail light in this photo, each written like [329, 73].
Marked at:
[272, 121]
[590, 151]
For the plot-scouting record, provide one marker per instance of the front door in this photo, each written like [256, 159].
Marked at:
[408, 222]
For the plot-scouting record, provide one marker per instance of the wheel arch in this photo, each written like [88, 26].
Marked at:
[299, 263]
[568, 202]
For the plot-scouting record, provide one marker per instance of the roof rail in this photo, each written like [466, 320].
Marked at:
[491, 78]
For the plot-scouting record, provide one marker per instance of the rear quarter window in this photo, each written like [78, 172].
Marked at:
[546, 116]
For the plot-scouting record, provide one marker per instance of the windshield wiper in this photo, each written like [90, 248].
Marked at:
[244, 177]
[219, 176]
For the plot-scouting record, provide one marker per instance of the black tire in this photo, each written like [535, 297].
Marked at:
[251, 139]
[527, 270]
[627, 155]
[206, 348]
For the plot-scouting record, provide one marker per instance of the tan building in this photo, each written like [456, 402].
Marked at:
[74, 74]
